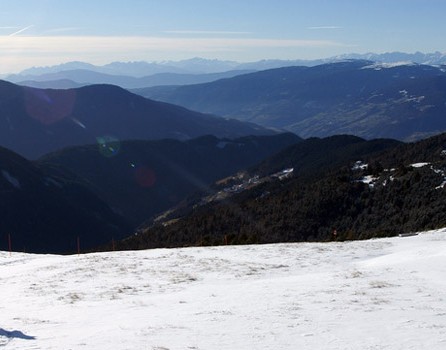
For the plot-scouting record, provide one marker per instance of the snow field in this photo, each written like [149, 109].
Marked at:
[376, 294]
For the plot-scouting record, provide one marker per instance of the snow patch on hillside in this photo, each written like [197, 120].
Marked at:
[388, 175]
[369, 180]
[11, 179]
[50, 181]
[419, 165]
[383, 65]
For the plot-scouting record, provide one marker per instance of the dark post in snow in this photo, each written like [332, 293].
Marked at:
[9, 243]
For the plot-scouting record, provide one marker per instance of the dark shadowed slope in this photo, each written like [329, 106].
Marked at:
[143, 178]
[43, 211]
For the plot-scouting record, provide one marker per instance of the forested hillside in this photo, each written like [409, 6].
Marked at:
[359, 199]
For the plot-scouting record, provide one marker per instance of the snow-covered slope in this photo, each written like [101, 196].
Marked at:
[377, 294]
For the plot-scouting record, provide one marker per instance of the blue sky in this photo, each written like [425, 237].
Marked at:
[46, 32]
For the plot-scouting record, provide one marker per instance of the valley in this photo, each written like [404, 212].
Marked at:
[404, 101]
[173, 177]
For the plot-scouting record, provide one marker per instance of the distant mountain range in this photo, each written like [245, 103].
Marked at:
[43, 211]
[435, 58]
[206, 66]
[363, 98]
[36, 121]
[82, 77]
[133, 75]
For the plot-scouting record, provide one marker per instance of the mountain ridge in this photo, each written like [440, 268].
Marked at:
[37, 121]
[359, 97]
[82, 77]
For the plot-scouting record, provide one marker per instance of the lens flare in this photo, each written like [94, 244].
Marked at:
[109, 146]
[49, 106]
[145, 177]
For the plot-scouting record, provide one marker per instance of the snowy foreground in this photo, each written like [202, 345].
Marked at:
[377, 294]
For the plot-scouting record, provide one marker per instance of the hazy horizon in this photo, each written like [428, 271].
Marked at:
[50, 32]
[350, 55]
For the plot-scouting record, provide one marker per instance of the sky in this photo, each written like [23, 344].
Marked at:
[48, 32]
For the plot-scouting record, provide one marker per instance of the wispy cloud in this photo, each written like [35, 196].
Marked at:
[21, 30]
[324, 27]
[122, 43]
[205, 32]
[61, 30]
